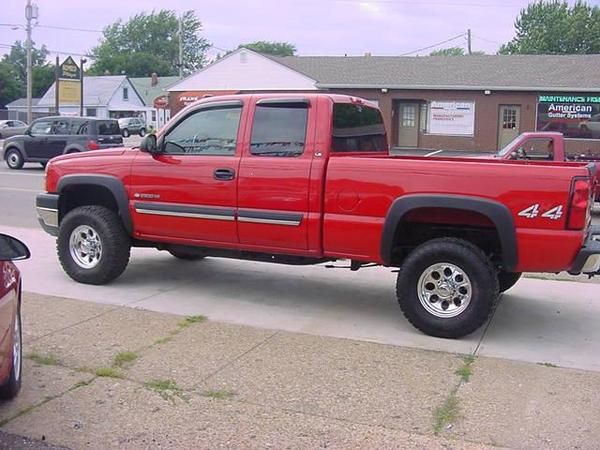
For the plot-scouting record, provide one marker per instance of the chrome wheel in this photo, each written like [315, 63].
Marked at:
[85, 247]
[17, 348]
[444, 290]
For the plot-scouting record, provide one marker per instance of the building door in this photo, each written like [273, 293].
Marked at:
[408, 124]
[509, 121]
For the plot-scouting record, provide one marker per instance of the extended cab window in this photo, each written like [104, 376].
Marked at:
[358, 128]
[205, 132]
[279, 129]
[108, 127]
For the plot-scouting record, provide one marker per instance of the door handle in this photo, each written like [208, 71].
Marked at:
[224, 174]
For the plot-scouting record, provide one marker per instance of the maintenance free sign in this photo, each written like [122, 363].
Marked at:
[452, 118]
[574, 115]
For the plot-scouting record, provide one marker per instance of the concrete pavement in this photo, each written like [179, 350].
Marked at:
[154, 380]
[537, 321]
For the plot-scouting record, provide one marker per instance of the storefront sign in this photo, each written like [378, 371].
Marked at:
[69, 92]
[161, 102]
[452, 118]
[69, 70]
[574, 115]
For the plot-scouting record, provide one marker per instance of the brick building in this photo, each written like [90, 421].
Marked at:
[463, 103]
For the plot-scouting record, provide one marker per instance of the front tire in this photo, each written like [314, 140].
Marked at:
[14, 159]
[507, 280]
[92, 245]
[447, 288]
[125, 132]
[12, 385]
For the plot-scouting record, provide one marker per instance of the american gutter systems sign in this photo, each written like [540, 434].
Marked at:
[569, 107]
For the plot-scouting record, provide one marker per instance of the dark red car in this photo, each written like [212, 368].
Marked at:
[11, 350]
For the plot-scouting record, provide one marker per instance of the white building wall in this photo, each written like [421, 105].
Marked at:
[245, 70]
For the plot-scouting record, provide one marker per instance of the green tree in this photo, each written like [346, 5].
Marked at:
[10, 89]
[149, 43]
[43, 77]
[556, 28]
[450, 51]
[18, 59]
[271, 48]
[453, 51]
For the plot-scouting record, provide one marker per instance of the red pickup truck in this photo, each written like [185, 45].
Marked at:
[548, 146]
[307, 179]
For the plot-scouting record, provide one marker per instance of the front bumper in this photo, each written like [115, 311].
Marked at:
[46, 206]
[588, 258]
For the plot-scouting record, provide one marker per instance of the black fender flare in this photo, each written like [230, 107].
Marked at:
[498, 214]
[14, 145]
[113, 184]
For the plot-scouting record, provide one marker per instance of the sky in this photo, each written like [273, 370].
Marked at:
[316, 27]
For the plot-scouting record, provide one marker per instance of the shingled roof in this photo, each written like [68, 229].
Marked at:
[497, 72]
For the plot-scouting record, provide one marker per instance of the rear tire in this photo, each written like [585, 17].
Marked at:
[142, 132]
[125, 132]
[92, 245]
[507, 280]
[14, 159]
[447, 288]
[12, 385]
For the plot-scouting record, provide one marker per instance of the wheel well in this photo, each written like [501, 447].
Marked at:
[12, 147]
[76, 195]
[423, 224]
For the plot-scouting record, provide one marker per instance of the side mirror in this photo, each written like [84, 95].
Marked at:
[149, 144]
[12, 249]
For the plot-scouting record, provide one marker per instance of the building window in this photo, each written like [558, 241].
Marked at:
[153, 115]
[91, 112]
[451, 118]
[509, 119]
[409, 116]
[574, 115]
[125, 93]
[279, 129]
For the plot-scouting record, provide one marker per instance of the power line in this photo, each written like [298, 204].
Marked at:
[54, 51]
[487, 40]
[54, 27]
[434, 45]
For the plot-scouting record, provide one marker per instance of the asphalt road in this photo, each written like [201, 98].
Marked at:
[18, 189]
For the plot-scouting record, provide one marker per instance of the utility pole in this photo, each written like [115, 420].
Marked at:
[82, 61]
[469, 42]
[180, 46]
[31, 13]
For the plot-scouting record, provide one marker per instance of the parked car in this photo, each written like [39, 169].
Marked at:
[132, 125]
[307, 179]
[11, 348]
[52, 136]
[10, 128]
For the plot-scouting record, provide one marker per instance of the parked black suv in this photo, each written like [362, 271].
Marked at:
[52, 136]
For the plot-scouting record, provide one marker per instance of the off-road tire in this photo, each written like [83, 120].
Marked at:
[186, 256]
[14, 159]
[125, 132]
[116, 244]
[142, 132]
[473, 262]
[506, 280]
[12, 385]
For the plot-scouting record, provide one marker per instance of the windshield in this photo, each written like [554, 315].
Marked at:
[507, 148]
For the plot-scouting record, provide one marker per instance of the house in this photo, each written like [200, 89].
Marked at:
[17, 109]
[154, 95]
[111, 96]
[477, 102]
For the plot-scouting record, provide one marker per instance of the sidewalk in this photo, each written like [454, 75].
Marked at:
[105, 376]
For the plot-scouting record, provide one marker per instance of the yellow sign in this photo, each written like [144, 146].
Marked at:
[69, 92]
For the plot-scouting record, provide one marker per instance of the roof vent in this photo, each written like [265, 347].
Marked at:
[154, 79]
[367, 53]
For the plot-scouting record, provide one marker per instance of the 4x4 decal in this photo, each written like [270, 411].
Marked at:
[531, 212]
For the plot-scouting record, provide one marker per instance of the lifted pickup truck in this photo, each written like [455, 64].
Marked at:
[306, 179]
